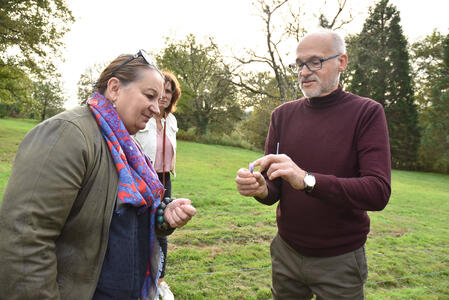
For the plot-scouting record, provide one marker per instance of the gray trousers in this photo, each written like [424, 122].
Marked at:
[297, 277]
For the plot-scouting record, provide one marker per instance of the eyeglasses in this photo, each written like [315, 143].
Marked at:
[145, 56]
[313, 65]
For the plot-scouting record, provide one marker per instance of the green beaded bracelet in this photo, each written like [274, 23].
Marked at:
[160, 220]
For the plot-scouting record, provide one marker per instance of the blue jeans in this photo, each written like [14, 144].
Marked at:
[127, 255]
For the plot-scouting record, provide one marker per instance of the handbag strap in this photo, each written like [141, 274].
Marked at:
[163, 157]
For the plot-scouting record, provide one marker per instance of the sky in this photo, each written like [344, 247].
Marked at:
[105, 29]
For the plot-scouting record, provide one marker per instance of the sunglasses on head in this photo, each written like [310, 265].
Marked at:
[142, 53]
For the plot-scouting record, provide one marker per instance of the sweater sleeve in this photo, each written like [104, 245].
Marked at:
[47, 175]
[371, 189]
[274, 186]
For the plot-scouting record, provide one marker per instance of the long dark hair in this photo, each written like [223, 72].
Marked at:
[176, 89]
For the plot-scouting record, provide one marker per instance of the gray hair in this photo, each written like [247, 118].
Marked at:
[338, 43]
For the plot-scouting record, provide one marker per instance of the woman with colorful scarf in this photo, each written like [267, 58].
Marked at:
[78, 217]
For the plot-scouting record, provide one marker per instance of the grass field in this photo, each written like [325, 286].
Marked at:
[223, 253]
[12, 132]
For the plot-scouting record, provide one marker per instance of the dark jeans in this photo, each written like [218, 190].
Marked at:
[163, 240]
[295, 276]
[126, 259]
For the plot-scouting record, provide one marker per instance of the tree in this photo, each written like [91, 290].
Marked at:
[431, 56]
[33, 29]
[87, 81]
[379, 69]
[255, 127]
[427, 56]
[30, 37]
[283, 26]
[208, 97]
[336, 23]
[48, 99]
[15, 90]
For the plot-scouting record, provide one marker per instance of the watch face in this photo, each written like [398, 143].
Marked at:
[309, 180]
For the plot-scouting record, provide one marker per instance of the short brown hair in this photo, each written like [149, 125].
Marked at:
[126, 73]
[176, 89]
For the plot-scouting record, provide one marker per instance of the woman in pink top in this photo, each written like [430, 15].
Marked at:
[163, 156]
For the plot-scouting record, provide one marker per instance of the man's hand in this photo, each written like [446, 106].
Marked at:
[280, 165]
[251, 184]
[179, 212]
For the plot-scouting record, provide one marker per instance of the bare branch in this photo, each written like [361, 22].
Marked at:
[333, 25]
[253, 90]
[341, 6]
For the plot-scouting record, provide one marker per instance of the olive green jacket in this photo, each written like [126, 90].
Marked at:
[56, 210]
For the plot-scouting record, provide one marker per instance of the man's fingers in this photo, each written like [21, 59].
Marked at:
[273, 168]
[245, 180]
[259, 178]
[244, 173]
[249, 187]
[266, 161]
[277, 173]
[248, 193]
[262, 162]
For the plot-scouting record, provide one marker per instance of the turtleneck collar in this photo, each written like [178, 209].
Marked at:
[327, 100]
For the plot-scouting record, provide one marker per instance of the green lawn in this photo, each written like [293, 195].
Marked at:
[12, 132]
[223, 253]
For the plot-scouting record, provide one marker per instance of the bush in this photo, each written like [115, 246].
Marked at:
[235, 139]
[3, 110]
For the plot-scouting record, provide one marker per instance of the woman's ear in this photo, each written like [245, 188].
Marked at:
[113, 88]
[343, 62]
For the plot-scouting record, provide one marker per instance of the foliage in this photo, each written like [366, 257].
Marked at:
[15, 90]
[283, 25]
[87, 81]
[31, 31]
[31, 34]
[257, 124]
[22, 97]
[432, 77]
[260, 105]
[271, 12]
[282, 21]
[379, 69]
[427, 56]
[235, 139]
[208, 97]
[48, 100]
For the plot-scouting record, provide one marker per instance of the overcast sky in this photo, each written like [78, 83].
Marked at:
[105, 29]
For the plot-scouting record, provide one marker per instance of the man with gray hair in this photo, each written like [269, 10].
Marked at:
[327, 162]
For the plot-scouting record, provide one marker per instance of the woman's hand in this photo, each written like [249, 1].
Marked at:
[179, 212]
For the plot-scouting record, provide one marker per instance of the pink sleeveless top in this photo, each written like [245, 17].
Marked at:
[168, 153]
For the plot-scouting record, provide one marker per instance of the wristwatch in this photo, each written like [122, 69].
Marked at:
[309, 182]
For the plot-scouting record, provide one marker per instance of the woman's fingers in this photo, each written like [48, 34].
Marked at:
[179, 212]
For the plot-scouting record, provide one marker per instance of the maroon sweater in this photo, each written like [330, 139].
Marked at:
[342, 139]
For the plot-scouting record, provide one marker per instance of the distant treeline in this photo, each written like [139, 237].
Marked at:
[224, 101]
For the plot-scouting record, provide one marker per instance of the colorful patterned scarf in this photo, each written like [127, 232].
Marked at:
[138, 182]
